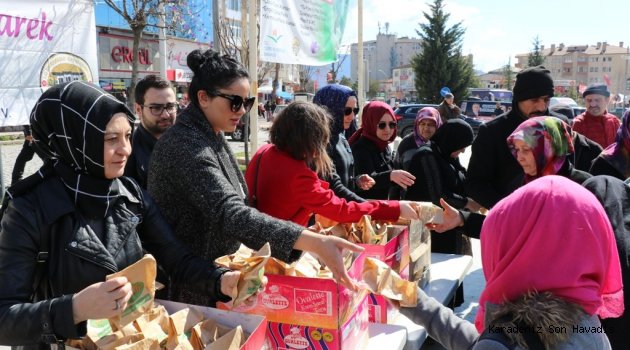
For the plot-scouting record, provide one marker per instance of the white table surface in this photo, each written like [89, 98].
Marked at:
[447, 272]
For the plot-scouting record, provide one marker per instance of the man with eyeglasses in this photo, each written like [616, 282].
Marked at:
[156, 107]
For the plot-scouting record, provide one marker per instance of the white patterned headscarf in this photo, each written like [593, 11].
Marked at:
[68, 125]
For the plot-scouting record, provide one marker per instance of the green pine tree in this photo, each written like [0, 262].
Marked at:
[441, 62]
[535, 58]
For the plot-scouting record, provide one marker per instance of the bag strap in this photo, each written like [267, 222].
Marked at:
[254, 201]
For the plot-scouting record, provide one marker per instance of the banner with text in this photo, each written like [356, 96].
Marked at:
[43, 43]
[304, 32]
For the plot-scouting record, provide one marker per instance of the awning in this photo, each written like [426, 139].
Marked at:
[285, 95]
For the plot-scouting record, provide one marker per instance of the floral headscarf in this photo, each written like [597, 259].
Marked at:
[618, 153]
[425, 113]
[372, 114]
[551, 235]
[550, 140]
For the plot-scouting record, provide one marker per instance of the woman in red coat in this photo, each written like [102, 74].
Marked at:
[283, 176]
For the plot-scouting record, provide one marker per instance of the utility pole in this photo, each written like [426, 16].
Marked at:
[162, 37]
[361, 82]
[253, 72]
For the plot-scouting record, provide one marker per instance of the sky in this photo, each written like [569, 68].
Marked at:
[498, 30]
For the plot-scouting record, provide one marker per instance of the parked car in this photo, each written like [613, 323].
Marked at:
[239, 133]
[276, 111]
[406, 116]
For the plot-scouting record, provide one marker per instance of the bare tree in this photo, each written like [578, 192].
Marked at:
[306, 74]
[335, 66]
[140, 14]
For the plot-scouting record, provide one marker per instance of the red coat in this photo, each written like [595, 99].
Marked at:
[600, 129]
[289, 190]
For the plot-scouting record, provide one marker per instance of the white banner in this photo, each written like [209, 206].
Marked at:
[43, 43]
[304, 32]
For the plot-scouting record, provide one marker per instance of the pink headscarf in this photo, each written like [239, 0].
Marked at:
[425, 113]
[372, 114]
[551, 235]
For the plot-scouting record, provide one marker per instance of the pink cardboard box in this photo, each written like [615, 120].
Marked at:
[254, 325]
[313, 302]
[395, 253]
[353, 334]
[381, 309]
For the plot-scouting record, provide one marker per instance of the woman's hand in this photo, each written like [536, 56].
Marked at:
[408, 210]
[229, 283]
[329, 250]
[451, 220]
[402, 178]
[365, 182]
[101, 300]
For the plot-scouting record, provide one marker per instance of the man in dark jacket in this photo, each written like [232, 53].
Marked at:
[493, 172]
[156, 107]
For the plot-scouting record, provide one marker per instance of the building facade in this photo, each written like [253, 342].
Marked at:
[578, 66]
[384, 54]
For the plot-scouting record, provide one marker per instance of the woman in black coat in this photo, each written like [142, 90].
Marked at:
[440, 175]
[372, 156]
[78, 220]
[342, 104]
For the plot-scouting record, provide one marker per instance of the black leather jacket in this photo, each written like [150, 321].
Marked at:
[77, 258]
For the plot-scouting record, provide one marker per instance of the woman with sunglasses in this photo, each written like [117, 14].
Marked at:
[342, 104]
[200, 189]
[372, 155]
[283, 177]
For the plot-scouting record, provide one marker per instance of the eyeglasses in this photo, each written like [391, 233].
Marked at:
[158, 109]
[348, 110]
[382, 125]
[236, 101]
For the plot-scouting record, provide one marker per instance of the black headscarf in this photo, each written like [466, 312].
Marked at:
[68, 125]
[614, 195]
[453, 135]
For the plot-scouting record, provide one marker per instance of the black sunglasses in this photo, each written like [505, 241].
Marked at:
[236, 101]
[382, 125]
[348, 110]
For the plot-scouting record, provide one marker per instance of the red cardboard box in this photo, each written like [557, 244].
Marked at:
[353, 334]
[254, 325]
[381, 309]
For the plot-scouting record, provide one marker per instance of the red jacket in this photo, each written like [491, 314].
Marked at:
[288, 189]
[600, 129]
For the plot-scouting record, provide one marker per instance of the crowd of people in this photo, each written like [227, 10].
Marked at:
[554, 242]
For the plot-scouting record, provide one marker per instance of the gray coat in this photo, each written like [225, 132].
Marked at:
[456, 333]
[196, 182]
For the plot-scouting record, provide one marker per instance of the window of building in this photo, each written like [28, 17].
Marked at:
[234, 5]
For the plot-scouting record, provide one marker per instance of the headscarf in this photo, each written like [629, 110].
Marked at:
[550, 140]
[617, 154]
[372, 114]
[68, 124]
[425, 113]
[455, 134]
[551, 235]
[334, 97]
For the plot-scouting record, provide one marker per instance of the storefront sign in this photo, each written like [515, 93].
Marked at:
[116, 54]
[47, 43]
